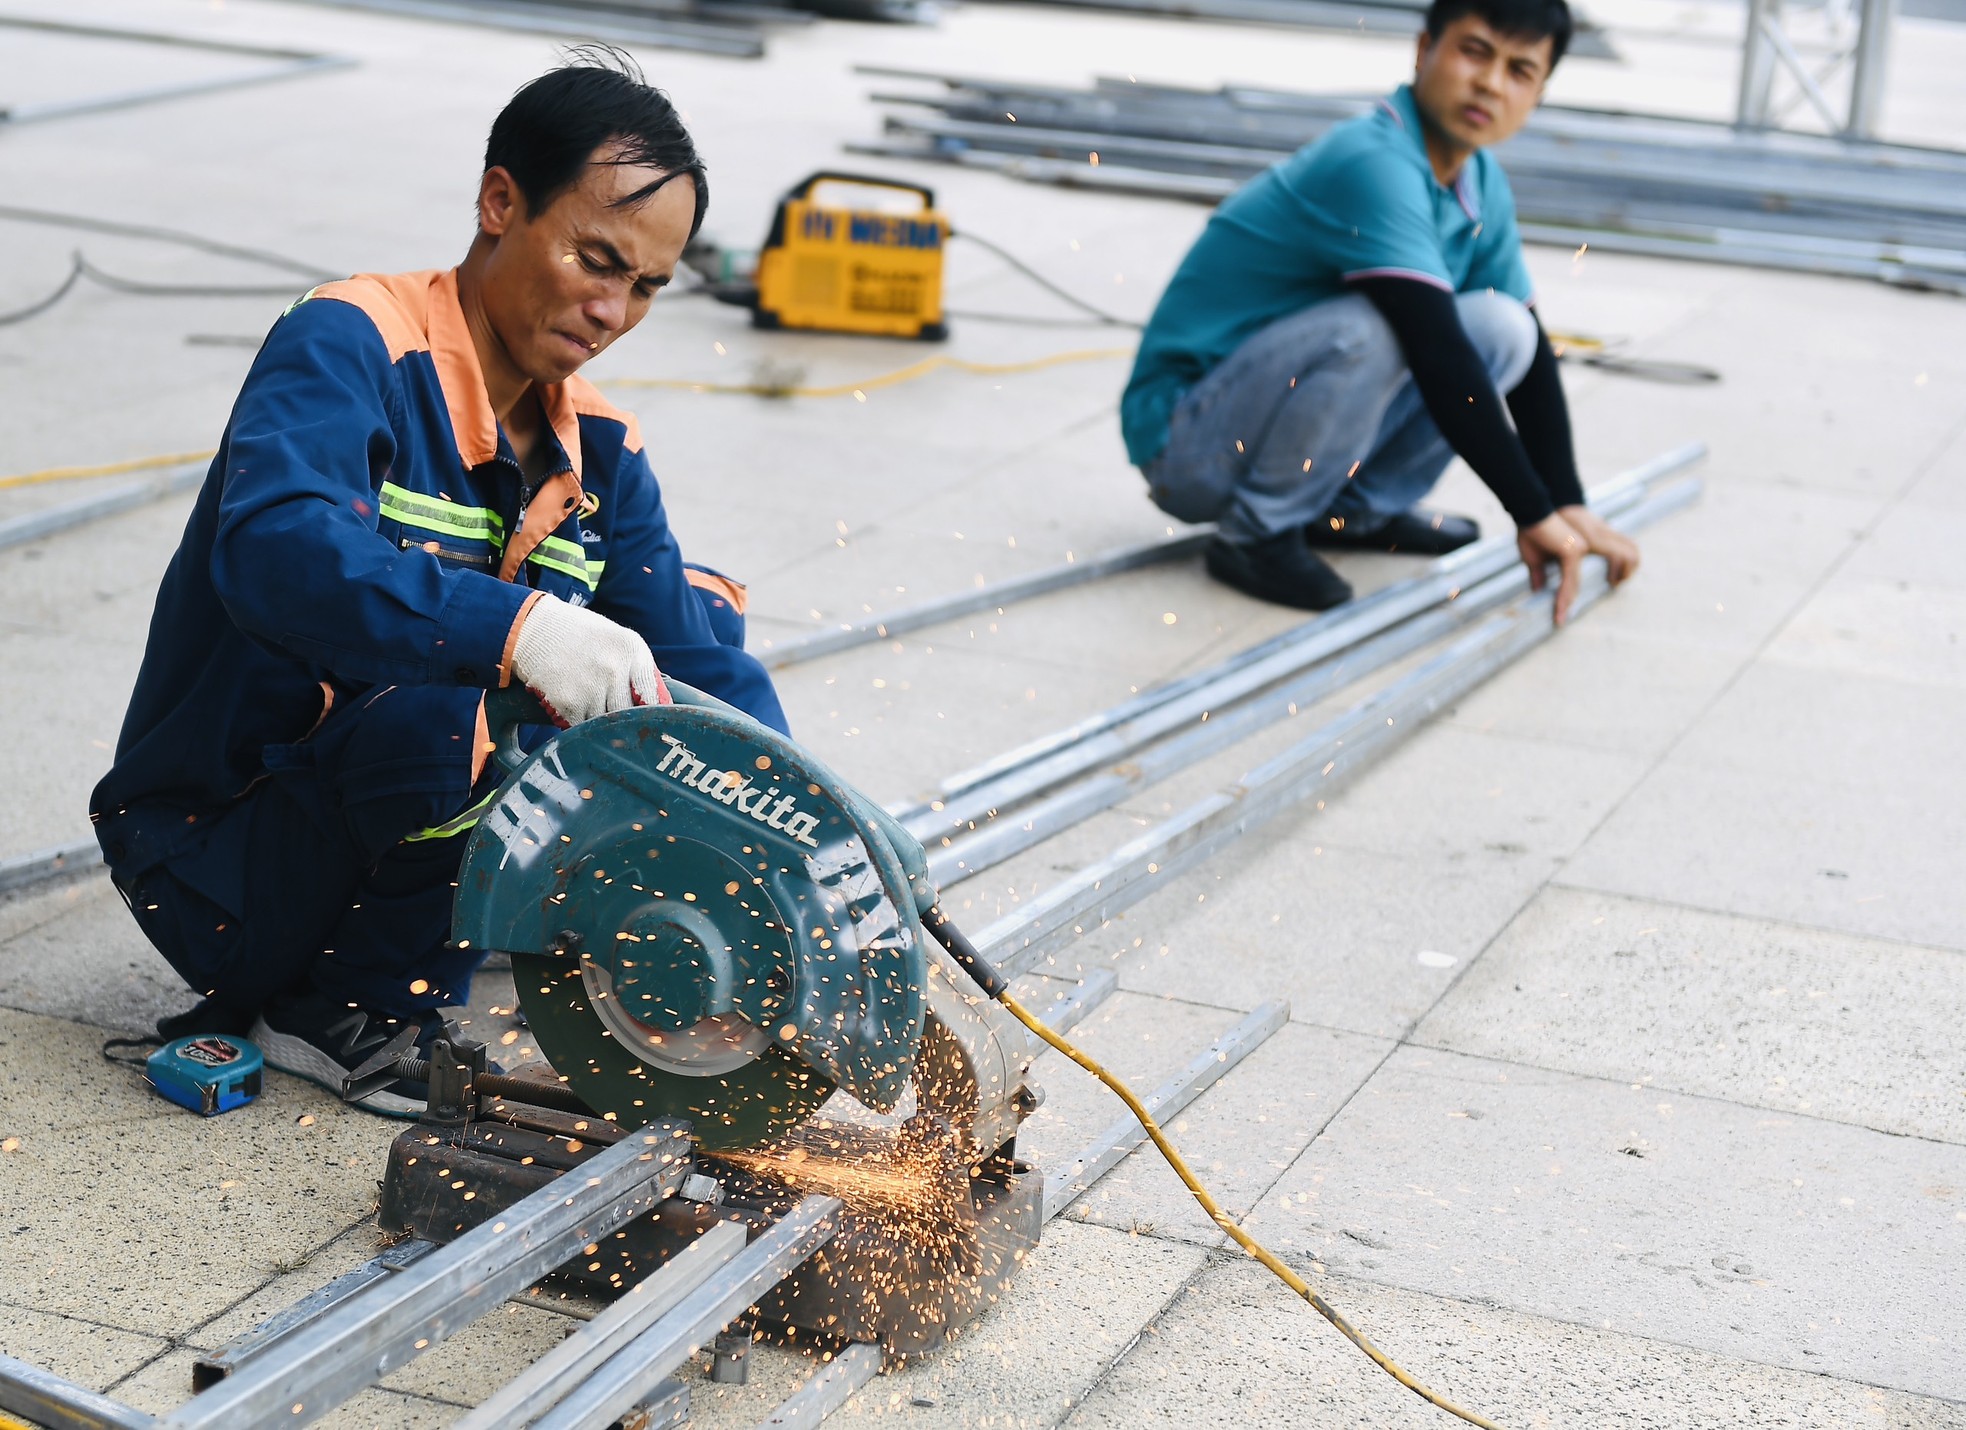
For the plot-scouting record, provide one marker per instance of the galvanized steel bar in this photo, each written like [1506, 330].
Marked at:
[108, 501]
[826, 1390]
[1076, 1003]
[1001, 783]
[983, 598]
[291, 64]
[574, 23]
[634, 1371]
[1320, 762]
[22, 870]
[544, 1383]
[1065, 1183]
[1134, 763]
[378, 1331]
[216, 1365]
[60, 1404]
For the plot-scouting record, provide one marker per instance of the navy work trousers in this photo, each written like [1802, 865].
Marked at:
[322, 879]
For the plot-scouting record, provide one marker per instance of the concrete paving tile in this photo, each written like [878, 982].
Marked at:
[1079, 1301]
[73, 691]
[1239, 1136]
[1355, 940]
[1896, 630]
[38, 1053]
[185, 1214]
[1943, 483]
[356, 1245]
[472, 1364]
[1450, 790]
[167, 1384]
[43, 903]
[1739, 523]
[1916, 541]
[776, 1371]
[1766, 1237]
[91, 964]
[1770, 1015]
[1236, 1346]
[98, 580]
[897, 723]
[88, 1354]
[1600, 688]
[1791, 800]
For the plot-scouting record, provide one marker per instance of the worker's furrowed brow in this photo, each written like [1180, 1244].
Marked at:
[612, 259]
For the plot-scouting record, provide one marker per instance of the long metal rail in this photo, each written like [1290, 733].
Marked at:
[839, 1380]
[378, 1331]
[287, 64]
[983, 598]
[1000, 780]
[631, 1374]
[1319, 763]
[1135, 764]
[691, 30]
[544, 1384]
[121, 496]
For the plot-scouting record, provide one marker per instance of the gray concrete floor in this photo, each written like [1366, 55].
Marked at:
[1625, 1083]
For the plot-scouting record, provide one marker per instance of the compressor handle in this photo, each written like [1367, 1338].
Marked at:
[803, 189]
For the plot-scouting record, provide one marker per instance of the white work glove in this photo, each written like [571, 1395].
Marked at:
[581, 664]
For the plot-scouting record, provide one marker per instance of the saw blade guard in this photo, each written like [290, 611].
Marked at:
[704, 920]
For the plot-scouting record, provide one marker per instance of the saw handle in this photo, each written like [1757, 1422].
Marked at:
[511, 708]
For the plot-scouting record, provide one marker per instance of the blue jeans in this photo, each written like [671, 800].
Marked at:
[1317, 416]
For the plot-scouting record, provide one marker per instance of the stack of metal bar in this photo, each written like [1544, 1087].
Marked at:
[1355, 17]
[718, 27]
[1671, 187]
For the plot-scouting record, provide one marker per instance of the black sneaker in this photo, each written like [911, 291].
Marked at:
[1281, 569]
[324, 1041]
[1416, 533]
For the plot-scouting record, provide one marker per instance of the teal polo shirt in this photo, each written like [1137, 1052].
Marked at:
[1361, 202]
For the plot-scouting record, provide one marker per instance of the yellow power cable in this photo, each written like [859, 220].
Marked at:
[1222, 1219]
[106, 469]
[886, 379]
[752, 389]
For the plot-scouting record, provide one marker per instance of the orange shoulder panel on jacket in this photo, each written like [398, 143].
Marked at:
[397, 303]
[588, 402]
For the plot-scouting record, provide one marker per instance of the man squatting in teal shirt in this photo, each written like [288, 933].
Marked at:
[1356, 315]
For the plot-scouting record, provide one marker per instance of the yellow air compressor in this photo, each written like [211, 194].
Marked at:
[849, 253]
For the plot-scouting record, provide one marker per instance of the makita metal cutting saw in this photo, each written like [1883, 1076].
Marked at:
[707, 924]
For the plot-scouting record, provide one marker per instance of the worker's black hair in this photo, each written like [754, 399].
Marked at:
[546, 136]
[1530, 19]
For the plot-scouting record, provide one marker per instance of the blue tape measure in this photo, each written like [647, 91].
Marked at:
[210, 1073]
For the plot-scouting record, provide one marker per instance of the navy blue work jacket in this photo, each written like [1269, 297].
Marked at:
[364, 523]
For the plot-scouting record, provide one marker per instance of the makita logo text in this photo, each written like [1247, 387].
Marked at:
[763, 803]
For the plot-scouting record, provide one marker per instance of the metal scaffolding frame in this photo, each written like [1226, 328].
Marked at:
[1864, 50]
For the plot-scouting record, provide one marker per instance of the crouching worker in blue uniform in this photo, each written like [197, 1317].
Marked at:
[1356, 315]
[416, 501]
